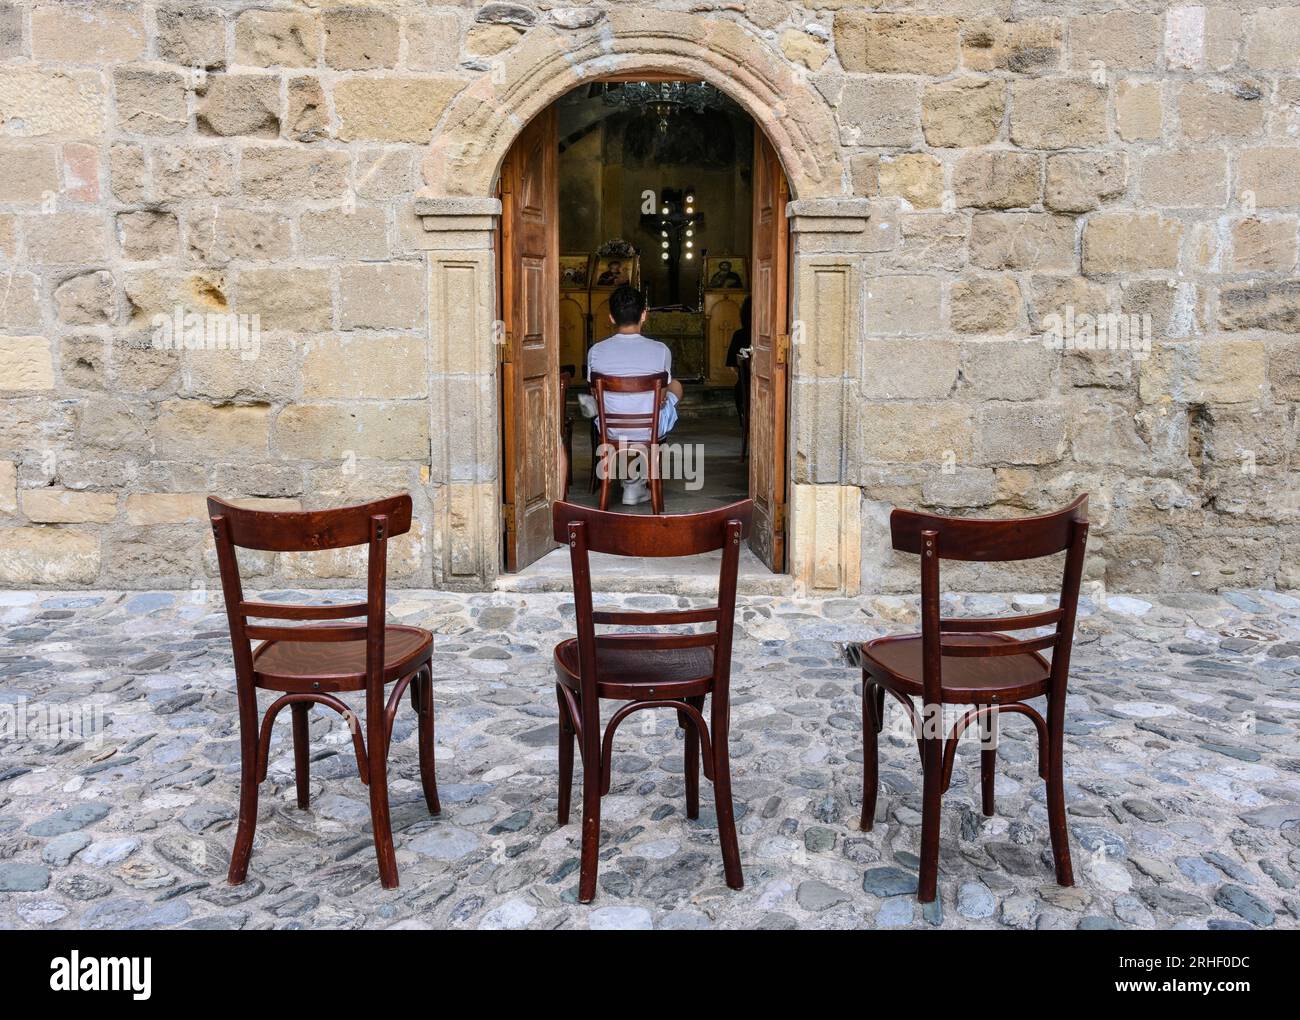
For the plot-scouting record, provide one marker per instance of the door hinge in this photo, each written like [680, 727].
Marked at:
[778, 518]
[508, 517]
[505, 349]
[782, 348]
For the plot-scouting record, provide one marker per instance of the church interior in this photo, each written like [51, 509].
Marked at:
[656, 190]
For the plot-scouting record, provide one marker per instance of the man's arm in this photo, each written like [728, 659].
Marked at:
[674, 387]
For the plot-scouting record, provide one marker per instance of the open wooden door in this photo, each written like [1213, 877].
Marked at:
[770, 344]
[530, 284]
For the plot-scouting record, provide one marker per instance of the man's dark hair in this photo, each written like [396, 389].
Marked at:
[626, 305]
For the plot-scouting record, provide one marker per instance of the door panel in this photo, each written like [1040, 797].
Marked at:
[530, 369]
[768, 369]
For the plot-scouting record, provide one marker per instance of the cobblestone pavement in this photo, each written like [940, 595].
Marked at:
[1183, 780]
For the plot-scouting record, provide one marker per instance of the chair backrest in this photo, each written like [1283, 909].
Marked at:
[372, 524]
[936, 538]
[585, 530]
[642, 421]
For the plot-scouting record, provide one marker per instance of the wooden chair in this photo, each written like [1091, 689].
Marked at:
[977, 665]
[647, 422]
[314, 664]
[664, 670]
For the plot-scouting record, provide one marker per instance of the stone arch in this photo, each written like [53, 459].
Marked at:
[482, 122]
[458, 211]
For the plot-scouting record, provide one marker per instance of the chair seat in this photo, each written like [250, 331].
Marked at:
[896, 662]
[295, 666]
[628, 670]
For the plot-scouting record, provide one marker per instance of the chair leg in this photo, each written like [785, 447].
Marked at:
[726, 812]
[428, 771]
[870, 752]
[931, 810]
[590, 826]
[248, 788]
[650, 454]
[988, 760]
[302, 752]
[1056, 804]
[376, 748]
[692, 765]
[566, 759]
[606, 467]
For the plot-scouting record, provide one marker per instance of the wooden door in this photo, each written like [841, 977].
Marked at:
[769, 338]
[530, 283]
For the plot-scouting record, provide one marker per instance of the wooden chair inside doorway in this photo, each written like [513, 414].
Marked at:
[622, 433]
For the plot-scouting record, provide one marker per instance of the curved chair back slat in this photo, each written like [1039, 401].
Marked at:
[652, 535]
[989, 541]
[310, 530]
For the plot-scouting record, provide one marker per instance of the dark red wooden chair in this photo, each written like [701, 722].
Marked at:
[647, 423]
[648, 670]
[972, 662]
[314, 664]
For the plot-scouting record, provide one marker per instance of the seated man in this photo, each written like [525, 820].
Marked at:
[625, 353]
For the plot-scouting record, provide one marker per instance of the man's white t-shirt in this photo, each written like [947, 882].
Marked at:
[633, 354]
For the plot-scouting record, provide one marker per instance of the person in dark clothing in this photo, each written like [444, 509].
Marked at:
[739, 341]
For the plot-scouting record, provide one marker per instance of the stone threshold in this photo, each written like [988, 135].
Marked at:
[693, 576]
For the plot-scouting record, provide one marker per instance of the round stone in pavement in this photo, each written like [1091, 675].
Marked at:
[445, 843]
[83, 887]
[42, 911]
[1244, 904]
[888, 881]
[109, 851]
[816, 896]
[620, 919]
[510, 915]
[59, 851]
[1020, 912]
[895, 912]
[975, 902]
[76, 817]
[19, 876]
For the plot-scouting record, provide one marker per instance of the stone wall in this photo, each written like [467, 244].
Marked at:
[972, 180]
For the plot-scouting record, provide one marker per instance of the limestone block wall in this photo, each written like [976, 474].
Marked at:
[1039, 247]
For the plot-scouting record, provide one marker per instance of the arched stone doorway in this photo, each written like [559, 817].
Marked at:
[457, 212]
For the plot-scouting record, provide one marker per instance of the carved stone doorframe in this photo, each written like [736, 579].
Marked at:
[455, 219]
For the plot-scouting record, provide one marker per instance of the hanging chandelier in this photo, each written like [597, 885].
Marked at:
[663, 99]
